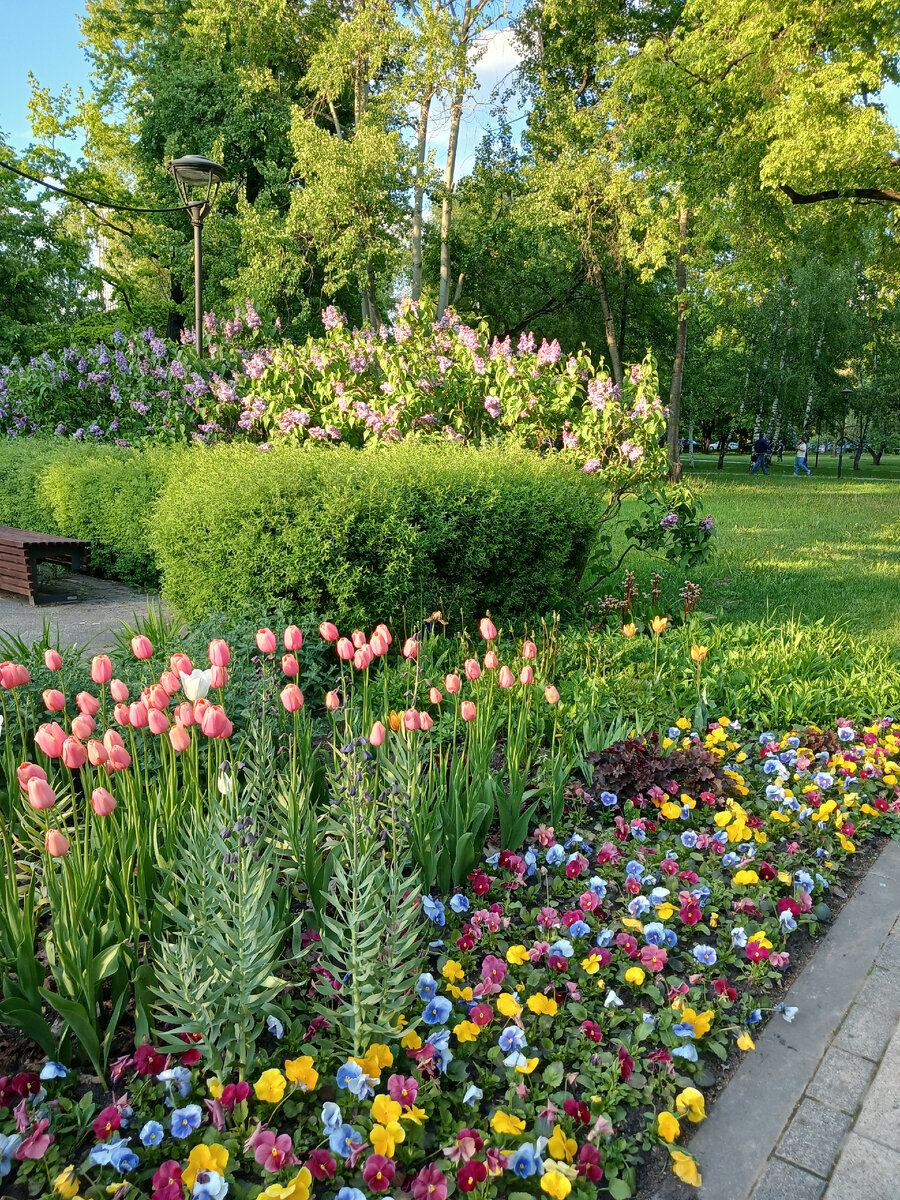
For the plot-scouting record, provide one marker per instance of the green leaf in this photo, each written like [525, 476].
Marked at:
[553, 1074]
[618, 1188]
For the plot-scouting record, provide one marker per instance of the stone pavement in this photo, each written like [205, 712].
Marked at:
[814, 1112]
[84, 610]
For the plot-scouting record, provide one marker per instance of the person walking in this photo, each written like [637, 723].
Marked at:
[780, 451]
[760, 450]
[800, 463]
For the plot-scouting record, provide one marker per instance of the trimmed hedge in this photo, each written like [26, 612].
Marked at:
[371, 536]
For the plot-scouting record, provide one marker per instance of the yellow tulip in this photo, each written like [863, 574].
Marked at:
[629, 630]
[698, 653]
[658, 624]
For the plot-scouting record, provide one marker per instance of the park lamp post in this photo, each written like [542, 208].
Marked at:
[193, 174]
[847, 393]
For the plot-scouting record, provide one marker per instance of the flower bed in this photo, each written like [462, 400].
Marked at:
[534, 1025]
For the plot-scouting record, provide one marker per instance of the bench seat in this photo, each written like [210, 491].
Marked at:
[22, 549]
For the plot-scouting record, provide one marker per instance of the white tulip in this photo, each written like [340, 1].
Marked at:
[196, 685]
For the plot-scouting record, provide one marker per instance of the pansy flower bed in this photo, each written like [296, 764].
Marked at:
[571, 1000]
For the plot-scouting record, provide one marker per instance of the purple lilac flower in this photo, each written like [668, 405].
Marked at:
[549, 353]
[492, 407]
[592, 465]
[118, 337]
[121, 361]
[331, 318]
[636, 373]
[569, 439]
[209, 322]
[526, 344]
[669, 521]
[254, 320]
[60, 429]
[158, 347]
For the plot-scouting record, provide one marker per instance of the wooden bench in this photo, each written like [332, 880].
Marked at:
[21, 550]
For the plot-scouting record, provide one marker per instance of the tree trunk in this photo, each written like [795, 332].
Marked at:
[609, 325]
[863, 433]
[447, 201]
[419, 196]
[623, 315]
[684, 218]
[876, 454]
[812, 388]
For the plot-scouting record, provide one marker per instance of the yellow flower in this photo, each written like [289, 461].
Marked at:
[542, 1004]
[301, 1071]
[385, 1138]
[591, 964]
[775, 815]
[685, 1168]
[205, 1158]
[270, 1087]
[724, 722]
[297, 1189]
[395, 720]
[633, 923]
[452, 970]
[459, 993]
[698, 653]
[658, 624]
[517, 956]
[668, 1127]
[746, 1042]
[847, 844]
[671, 811]
[466, 1031]
[700, 1021]
[414, 1114]
[66, 1183]
[666, 743]
[411, 1041]
[683, 723]
[529, 1066]
[507, 1005]
[745, 878]
[555, 1184]
[385, 1110]
[382, 1054]
[688, 800]
[713, 920]
[691, 1101]
[215, 1087]
[761, 938]
[723, 818]
[629, 630]
[665, 910]
[560, 1146]
[742, 757]
[503, 1122]
[635, 975]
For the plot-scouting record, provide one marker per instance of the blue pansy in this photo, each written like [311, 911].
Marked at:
[177, 1077]
[512, 1038]
[689, 839]
[609, 799]
[275, 1026]
[688, 1052]
[437, 1011]
[638, 906]
[730, 859]
[597, 886]
[350, 1193]
[654, 933]
[152, 1134]
[9, 1144]
[434, 910]
[426, 987]
[209, 1185]
[523, 1163]
[705, 955]
[186, 1120]
[342, 1140]
[604, 938]
[579, 929]
[555, 855]
[562, 948]
[670, 938]
[638, 834]
[459, 903]
[53, 1070]
[845, 734]
[684, 1029]
[347, 1074]
[473, 1095]
[634, 868]
[331, 1117]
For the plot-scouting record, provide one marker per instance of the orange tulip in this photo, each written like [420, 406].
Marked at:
[658, 624]
[698, 653]
[629, 630]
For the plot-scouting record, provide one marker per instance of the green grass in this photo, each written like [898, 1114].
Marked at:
[739, 466]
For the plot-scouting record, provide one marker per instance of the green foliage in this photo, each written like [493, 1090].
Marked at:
[366, 537]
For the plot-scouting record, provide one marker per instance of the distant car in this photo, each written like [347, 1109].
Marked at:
[734, 446]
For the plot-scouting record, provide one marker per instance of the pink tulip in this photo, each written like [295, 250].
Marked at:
[6, 675]
[358, 638]
[158, 721]
[14, 675]
[293, 638]
[467, 710]
[289, 665]
[215, 723]
[52, 660]
[411, 719]
[435, 696]
[50, 739]
[83, 726]
[118, 691]
[54, 700]
[40, 794]
[379, 644]
[158, 697]
[137, 715]
[529, 650]
[74, 754]
[452, 683]
[112, 738]
[180, 662]
[491, 661]
[119, 758]
[87, 703]
[120, 714]
[184, 715]
[26, 771]
[218, 676]
[98, 755]
[425, 722]
[332, 701]
[363, 658]
[101, 668]
[345, 649]
[377, 734]
[141, 647]
[506, 678]
[219, 653]
[291, 698]
[385, 632]
[526, 676]
[170, 682]
[551, 695]
[179, 738]
[56, 843]
[410, 648]
[102, 802]
[471, 668]
[200, 707]
[266, 642]
[23, 675]
[488, 629]
[328, 632]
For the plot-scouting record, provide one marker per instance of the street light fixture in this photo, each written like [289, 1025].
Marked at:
[192, 174]
[846, 392]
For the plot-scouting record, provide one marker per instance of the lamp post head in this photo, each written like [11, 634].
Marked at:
[195, 171]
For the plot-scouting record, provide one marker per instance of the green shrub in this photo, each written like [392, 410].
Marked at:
[365, 536]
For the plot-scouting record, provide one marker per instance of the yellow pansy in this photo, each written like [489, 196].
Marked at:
[746, 1042]
[527, 1067]
[683, 723]
[890, 780]
[517, 955]
[685, 1168]
[722, 818]
[785, 878]
[460, 993]
[555, 1185]
[761, 938]
[691, 1101]
[381, 1054]
[542, 1004]
[666, 743]
[745, 878]
[847, 844]
[414, 1114]
[713, 920]
[466, 1031]
[215, 1087]
[205, 1158]
[668, 1126]
[369, 1065]
[297, 1189]
[665, 910]
[760, 836]
[385, 1138]
[742, 757]
[507, 1005]
[671, 811]
[301, 1071]
[503, 1122]
[700, 1021]
[452, 970]
[688, 800]
[270, 1087]
[724, 722]
[411, 1041]
[385, 1110]
[560, 1146]
[66, 1183]
[635, 975]
[632, 923]
[591, 964]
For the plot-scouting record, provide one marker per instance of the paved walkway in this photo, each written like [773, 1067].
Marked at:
[84, 610]
[814, 1112]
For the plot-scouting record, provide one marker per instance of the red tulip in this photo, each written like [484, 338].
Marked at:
[488, 629]
[328, 632]
[87, 703]
[141, 647]
[101, 668]
[377, 734]
[102, 802]
[345, 649]
[291, 698]
[52, 660]
[118, 691]
[50, 739]
[57, 844]
[74, 754]
[266, 642]
[219, 653]
[54, 700]
[289, 665]
[293, 638]
[467, 710]
[40, 794]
